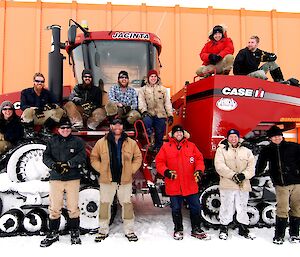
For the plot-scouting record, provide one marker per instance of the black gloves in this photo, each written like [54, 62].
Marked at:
[268, 57]
[145, 114]
[39, 113]
[170, 120]
[238, 178]
[125, 109]
[214, 58]
[171, 174]
[61, 167]
[48, 107]
[198, 175]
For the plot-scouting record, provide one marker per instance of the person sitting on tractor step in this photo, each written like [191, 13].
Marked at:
[11, 129]
[117, 158]
[39, 108]
[123, 101]
[65, 156]
[182, 165]
[85, 103]
[156, 108]
[217, 53]
[249, 58]
[235, 165]
[284, 170]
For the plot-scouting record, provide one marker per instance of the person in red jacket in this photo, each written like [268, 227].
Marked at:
[181, 163]
[217, 53]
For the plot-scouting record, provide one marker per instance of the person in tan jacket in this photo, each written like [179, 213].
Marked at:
[235, 165]
[156, 108]
[116, 157]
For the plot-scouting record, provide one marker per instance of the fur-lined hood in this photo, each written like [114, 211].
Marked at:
[225, 144]
[224, 28]
[185, 134]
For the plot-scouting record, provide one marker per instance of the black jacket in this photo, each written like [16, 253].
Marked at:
[284, 163]
[86, 94]
[30, 99]
[70, 150]
[12, 129]
[246, 61]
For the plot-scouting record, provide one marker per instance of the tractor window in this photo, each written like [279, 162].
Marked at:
[77, 58]
[114, 56]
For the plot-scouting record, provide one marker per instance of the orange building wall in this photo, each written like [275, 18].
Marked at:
[24, 42]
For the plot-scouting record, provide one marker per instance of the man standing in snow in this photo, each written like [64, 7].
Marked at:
[235, 165]
[64, 155]
[116, 157]
[284, 169]
[181, 163]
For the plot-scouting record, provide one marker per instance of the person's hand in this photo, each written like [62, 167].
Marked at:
[171, 174]
[145, 114]
[126, 109]
[48, 107]
[170, 120]
[1, 137]
[198, 175]
[39, 113]
[238, 178]
[214, 58]
[61, 167]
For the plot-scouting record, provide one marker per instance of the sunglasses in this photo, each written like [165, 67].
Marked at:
[87, 77]
[123, 77]
[39, 81]
[7, 109]
[65, 127]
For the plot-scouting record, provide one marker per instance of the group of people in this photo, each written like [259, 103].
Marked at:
[217, 57]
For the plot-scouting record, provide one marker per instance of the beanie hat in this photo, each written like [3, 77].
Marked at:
[64, 121]
[218, 28]
[6, 103]
[123, 73]
[151, 72]
[274, 131]
[117, 121]
[177, 128]
[86, 72]
[233, 131]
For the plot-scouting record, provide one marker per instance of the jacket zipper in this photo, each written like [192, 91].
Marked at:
[279, 164]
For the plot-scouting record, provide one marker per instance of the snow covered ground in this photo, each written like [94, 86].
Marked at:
[154, 228]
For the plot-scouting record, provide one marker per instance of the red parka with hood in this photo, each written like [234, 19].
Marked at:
[183, 157]
[222, 47]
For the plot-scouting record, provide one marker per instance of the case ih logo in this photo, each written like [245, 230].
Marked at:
[248, 92]
[131, 35]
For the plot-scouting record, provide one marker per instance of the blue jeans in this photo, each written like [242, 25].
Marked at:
[158, 126]
[194, 205]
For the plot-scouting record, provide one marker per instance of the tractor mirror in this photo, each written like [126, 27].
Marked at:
[72, 34]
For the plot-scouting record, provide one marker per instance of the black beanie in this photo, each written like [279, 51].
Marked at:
[86, 72]
[177, 128]
[274, 131]
[233, 131]
[64, 121]
[218, 28]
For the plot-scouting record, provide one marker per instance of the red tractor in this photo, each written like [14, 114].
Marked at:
[206, 108]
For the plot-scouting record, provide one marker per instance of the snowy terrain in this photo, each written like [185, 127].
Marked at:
[154, 228]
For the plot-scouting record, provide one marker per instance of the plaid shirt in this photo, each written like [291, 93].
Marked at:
[128, 98]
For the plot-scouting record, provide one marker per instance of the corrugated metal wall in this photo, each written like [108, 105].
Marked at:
[24, 42]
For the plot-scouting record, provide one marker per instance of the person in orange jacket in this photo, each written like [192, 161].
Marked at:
[181, 163]
[217, 53]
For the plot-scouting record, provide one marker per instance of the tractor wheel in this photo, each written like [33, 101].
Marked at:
[11, 222]
[268, 215]
[210, 202]
[253, 214]
[35, 221]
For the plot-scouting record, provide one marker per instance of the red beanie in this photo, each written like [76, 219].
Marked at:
[151, 72]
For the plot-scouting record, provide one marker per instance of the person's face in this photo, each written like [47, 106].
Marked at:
[123, 80]
[153, 79]
[178, 135]
[117, 128]
[252, 44]
[87, 79]
[65, 131]
[276, 139]
[217, 36]
[38, 83]
[233, 139]
[7, 112]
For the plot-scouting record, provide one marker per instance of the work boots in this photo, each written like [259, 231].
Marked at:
[74, 230]
[280, 227]
[178, 227]
[223, 232]
[294, 223]
[244, 231]
[278, 76]
[28, 129]
[197, 232]
[53, 235]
